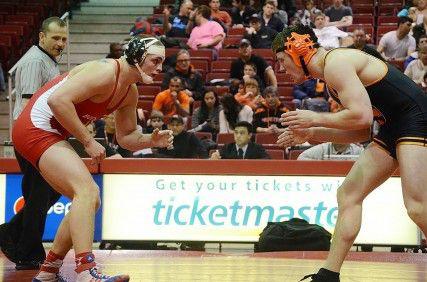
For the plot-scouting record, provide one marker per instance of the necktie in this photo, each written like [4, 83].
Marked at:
[240, 153]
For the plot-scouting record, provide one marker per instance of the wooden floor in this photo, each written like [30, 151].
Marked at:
[179, 266]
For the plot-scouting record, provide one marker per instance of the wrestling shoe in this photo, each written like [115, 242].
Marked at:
[323, 275]
[57, 278]
[92, 275]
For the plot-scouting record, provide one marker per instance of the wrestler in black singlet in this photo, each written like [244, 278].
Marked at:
[399, 106]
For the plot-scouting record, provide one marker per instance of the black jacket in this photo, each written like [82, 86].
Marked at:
[254, 151]
[192, 81]
[186, 145]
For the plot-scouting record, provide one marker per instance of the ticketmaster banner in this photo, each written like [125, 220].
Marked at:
[237, 208]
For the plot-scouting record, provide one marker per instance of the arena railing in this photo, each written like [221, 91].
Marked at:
[11, 74]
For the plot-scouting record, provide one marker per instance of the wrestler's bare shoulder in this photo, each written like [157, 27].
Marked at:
[103, 65]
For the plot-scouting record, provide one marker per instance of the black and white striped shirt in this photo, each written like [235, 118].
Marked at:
[34, 69]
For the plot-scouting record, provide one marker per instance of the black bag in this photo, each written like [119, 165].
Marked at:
[293, 235]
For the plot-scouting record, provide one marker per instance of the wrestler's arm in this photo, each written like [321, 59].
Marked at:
[96, 78]
[127, 134]
[357, 112]
[322, 134]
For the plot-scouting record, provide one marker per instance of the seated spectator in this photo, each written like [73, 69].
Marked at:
[219, 15]
[281, 14]
[324, 151]
[422, 42]
[176, 26]
[116, 51]
[289, 6]
[420, 30]
[185, 144]
[172, 101]
[329, 37]
[206, 117]
[241, 12]
[359, 39]
[398, 44]
[306, 15]
[192, 82]
[260, 36]
[156, 121]
[310, 95]
[140, 27]
[264, 71]
[242, 147]
[206, 34]
[267, 117]
[417, 68]
[250, 71]
[2, 85]
[269, 18]
[339, 15]
[250, 95]
[232, 112]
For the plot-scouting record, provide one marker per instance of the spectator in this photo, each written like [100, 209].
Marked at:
[219, 15]
[192, 81]
[269, 18]
[206, 117]
[281, 14]
[185, 144]
[329, 37]
[398, 44]
[250, 95]
[116, 51]
[140, 27]
[414, 55]
[260, 36]
[420, 10]
[21, 238]
[417, 68]
[242, 147]
[267, 117]
[173, 101]
[241, 12]
[176, 26]
[289, 6]
[339, 15]
[420, 30]
[232, 112]
[324, 151]
[250, 71]
[110, 152]
[155, 121]
[359, 39]
[264, 71]
[306, 15]
[310, 88]
[207, 34]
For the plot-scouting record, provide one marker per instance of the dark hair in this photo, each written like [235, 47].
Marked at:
[252, 65]
[45, 25]
[203, 114]
[114, 44]
[278, 44]
[246, 124]
[231, 109]
[205, 11]
[269, 2]
[270, 90]
[402, 20]
[176, 78]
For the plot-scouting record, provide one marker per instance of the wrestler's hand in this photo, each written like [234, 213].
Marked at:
[162, 138]
[95, 150]
[294, 137]
[299, 119]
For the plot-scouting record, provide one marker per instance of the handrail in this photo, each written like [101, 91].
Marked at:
[66, 17]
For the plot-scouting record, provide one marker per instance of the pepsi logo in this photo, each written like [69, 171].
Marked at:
[18, 205]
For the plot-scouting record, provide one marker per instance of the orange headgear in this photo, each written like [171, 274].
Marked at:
[301, 49]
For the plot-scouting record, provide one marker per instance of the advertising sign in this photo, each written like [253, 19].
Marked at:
[237, 208]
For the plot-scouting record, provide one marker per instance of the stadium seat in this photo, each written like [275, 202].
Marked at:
[276, 154]
[203, 135]
[221, 66]
[294, 153]
[148, 90]
[224, 138]
[265, 138]
[217, 75]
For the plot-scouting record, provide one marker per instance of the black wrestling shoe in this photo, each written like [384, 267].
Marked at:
[28, 265]
[323, 275]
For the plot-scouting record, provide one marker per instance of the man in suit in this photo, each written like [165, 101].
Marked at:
[242, 147]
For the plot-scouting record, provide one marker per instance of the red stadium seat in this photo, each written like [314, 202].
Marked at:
[158, 79]
[276, 154]
[236, 32]
[285, 91]
[265, 138]
[201, 65]
[228, 54]
[388, 20]
[388, 10]
[203, 135]
[146, 106]
[383, 30]
[221, 66]
[294, 153]
[267, 54]
[217, 75]
[148, 90]
[224, 138]
[363, 19]
[201, 54]
[233, 41]
[363, 10]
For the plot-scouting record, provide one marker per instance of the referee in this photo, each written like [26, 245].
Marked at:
[21, 238]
